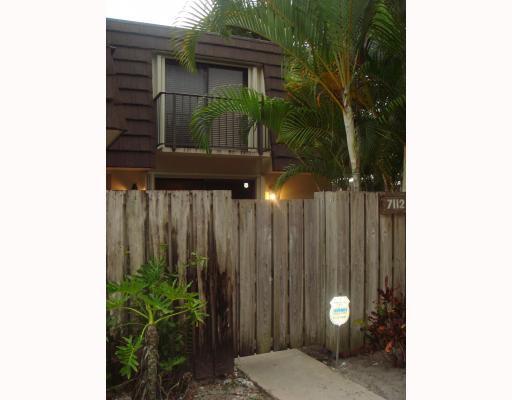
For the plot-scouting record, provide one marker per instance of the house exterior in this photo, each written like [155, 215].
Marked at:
[150, 99]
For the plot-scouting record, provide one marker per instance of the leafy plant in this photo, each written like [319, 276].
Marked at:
[153, 298]
[127, 354]
[385, 327]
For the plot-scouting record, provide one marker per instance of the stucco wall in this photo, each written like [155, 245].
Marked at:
[302, 186]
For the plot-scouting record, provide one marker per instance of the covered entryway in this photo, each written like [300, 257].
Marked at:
[240, 188]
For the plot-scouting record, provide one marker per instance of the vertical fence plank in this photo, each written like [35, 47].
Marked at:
[158, 218]
[116, 250]
[399, 253]
[386, 249]
[236, 267]
[180, 231]
[247, 266]
[312, 283]
[201, 227]
[116, 247]
[357, 255]
[331, 261]
[135, 229]
[343, 213]
[372, 251]
[323, 312]
[222, 273]
[180, 242]
[263, 276]
[296, 270]
[280, 272]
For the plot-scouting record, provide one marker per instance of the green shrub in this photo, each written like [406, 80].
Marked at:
[152, 298]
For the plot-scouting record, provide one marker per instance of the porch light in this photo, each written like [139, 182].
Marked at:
[246, 185]
[270, 196]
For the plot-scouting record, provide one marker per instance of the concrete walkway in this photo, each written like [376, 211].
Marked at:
[293, 375]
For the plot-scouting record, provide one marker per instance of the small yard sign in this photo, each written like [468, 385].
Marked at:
[392, 203]
[340, 310]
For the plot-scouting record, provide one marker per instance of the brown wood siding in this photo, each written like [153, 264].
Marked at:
[135, 44]
[115, 118]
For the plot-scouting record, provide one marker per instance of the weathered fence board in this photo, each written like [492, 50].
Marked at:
[158, 218]
[296, 268]
[323, 315]
[263, 276]
[247, 277]
[311, 275]
[280, 271]
[332, 241]
[399, 253]
[135, 229]
[372, 251]
[343, 209]
[236, 271]
[272, 266]
[222, 269]
[204, 350]
[180, 230]
[116, 248]
[357, 267]
[386, 249]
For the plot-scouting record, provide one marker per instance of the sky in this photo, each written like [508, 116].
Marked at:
[163, 12]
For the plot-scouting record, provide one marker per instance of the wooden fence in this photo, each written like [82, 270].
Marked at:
[272, 266]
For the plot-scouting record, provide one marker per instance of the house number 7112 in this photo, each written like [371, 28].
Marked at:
[392, 203]
[396, 203]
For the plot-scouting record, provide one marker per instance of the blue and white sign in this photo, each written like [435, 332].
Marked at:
[340, 310]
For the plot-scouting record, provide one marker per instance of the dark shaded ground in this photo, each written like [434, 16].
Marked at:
[234, 387]
[373, 371]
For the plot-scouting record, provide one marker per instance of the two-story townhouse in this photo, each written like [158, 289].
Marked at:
[151, 102]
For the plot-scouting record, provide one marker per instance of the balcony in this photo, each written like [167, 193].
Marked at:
[229, 133]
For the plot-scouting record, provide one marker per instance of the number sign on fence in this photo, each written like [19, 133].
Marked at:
[272, 266]
[392, 203]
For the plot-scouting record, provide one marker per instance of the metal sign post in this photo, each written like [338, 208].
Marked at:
[337, 344]
[339, 314]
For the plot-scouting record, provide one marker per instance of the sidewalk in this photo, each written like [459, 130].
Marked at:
[293, 375]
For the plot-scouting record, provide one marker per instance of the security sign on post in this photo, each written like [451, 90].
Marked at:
[340, 310]
[339, 313]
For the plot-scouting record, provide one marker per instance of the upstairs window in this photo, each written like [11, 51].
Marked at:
[179, 93]
[187, 90]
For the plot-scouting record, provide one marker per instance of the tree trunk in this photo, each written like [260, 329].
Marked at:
[149, 388]
[350, 130]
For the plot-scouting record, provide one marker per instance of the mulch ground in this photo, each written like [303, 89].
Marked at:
[234, 387]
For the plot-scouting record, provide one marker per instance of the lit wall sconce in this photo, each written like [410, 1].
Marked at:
[270, 196]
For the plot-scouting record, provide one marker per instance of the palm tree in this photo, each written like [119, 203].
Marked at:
[385, 63]
[324, 44]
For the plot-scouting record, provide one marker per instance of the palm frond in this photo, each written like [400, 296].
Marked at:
[242, 101]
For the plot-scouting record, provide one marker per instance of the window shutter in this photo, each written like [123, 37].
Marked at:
[181, 105]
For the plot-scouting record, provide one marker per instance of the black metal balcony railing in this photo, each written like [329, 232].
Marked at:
[230, 131]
